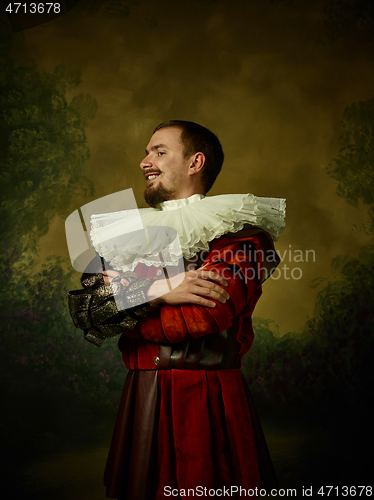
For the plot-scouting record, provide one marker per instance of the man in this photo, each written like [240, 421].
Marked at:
[186, 420]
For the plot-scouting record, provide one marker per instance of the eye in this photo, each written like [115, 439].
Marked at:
[160, 153]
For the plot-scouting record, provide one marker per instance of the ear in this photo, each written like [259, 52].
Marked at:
[197, 162]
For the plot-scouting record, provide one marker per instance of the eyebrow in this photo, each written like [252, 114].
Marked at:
[158, 146]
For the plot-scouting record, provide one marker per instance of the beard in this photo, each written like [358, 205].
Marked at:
[155, 196]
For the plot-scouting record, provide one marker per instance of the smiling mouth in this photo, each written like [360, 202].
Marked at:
[151, 178]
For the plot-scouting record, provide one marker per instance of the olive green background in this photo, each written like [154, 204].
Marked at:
[252, 71]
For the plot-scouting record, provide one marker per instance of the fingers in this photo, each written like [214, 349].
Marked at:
[208, 283]
[201, 301]
[107, 280]
[109, 275]
[210, 275]
[214, 291]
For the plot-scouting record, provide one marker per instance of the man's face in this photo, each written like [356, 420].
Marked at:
[165, 168]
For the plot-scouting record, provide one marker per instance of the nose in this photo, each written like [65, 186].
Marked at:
[145, 163]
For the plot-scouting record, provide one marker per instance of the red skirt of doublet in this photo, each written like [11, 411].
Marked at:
[183, 429]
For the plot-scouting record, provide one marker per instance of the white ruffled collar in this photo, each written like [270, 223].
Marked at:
[181, 228]
[184, 202]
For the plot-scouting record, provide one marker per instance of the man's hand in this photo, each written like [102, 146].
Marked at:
[109, 275]
[195, 286]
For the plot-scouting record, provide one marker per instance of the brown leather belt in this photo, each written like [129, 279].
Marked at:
[210, 352]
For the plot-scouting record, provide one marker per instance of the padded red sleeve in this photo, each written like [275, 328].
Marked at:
[232, 259]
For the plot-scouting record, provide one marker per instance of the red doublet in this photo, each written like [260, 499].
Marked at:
[179, 426]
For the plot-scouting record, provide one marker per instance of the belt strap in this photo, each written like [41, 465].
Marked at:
[210, 352]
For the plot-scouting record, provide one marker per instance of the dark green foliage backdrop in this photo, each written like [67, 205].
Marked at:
[57, 389]
[330, 362]
[44, 148]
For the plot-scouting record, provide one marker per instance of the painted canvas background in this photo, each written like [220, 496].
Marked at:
[288, 88]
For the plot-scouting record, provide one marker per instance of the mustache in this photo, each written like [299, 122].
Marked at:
[152, 172]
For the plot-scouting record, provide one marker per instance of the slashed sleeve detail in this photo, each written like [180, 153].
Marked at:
[94, 308]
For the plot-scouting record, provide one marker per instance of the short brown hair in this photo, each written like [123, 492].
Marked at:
[195, 139]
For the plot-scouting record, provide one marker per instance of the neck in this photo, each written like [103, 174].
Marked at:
[185, 193]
